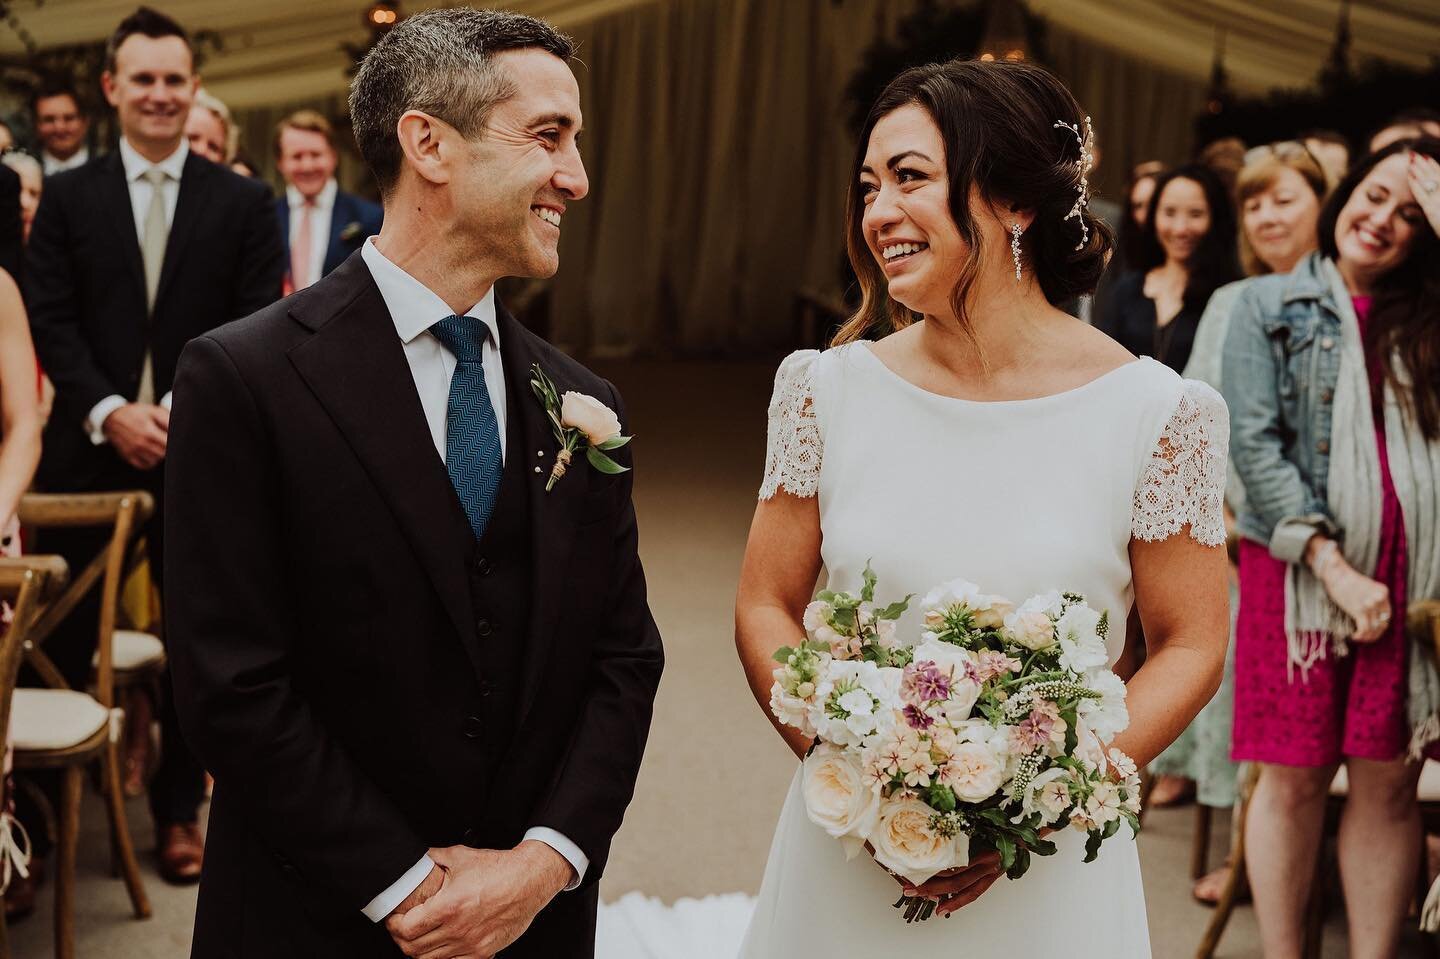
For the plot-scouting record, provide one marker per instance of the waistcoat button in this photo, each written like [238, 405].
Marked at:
[1322, 447]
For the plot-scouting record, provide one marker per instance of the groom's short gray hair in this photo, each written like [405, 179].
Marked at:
[439, 62]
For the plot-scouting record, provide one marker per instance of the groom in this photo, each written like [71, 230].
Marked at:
[423, 684]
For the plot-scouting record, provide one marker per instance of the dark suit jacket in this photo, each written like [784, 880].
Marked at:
[85, 289]
[351, 221]
[10, 226]
[324, 642]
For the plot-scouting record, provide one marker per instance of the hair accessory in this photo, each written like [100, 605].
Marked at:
[1015, 248]
[1083, 164]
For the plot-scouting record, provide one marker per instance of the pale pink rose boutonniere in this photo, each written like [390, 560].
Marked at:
[579, 422]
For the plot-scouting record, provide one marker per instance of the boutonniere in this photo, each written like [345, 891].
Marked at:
[579, 422]
[351, 232]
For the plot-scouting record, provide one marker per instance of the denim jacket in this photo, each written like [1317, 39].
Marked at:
[1281, 363]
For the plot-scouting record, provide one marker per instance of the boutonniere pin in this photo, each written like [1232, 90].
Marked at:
[579, 422]
[351, 232]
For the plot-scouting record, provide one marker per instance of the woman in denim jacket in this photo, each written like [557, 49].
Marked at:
[1332, 375]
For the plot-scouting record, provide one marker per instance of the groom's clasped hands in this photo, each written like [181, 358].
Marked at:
[476, 902]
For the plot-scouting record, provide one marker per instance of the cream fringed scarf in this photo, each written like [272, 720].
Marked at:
[1313, 623]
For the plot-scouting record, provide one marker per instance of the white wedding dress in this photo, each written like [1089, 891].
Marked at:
[1019, 497]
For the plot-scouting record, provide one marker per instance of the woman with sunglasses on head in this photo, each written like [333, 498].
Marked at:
[1278, 192]
[1186, 252]
[1332, 373]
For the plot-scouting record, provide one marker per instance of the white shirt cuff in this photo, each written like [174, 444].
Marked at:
[165, 400]
[564, 847]
[95, 422]
[385, 903]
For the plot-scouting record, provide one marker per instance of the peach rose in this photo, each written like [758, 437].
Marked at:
[907, 846]
[588, 415]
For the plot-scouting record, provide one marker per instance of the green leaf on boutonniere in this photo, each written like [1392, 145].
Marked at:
[603, 463]
[614, 442]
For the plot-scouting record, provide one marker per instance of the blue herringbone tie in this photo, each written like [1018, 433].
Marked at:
[472, 433]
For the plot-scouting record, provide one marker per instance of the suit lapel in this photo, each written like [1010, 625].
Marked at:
[553, 515]
[189, 207]
[355, 365]
[115, 196]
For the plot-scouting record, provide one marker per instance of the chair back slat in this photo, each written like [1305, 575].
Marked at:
[25, 584]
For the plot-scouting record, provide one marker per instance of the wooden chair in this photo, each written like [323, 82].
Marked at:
[1423, 624]
[25, 584]
[70, 730]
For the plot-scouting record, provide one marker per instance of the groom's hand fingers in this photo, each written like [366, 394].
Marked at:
[419, 922]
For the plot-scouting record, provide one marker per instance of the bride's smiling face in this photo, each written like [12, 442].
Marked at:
[907, 224]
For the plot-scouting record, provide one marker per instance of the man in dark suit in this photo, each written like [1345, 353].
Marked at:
[130, 256]
[423, 683]
[321, 224]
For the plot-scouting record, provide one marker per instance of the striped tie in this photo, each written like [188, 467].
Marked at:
[472, 433]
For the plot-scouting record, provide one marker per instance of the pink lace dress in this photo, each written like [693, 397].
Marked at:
[1345, 706]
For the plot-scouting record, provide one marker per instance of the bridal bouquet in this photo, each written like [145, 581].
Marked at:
[987, 729]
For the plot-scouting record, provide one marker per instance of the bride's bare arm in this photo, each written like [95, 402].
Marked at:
[777, 580]
[1182, 594]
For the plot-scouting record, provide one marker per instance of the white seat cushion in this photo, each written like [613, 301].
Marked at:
[1428, 791]
[54, 718]
[134, 650]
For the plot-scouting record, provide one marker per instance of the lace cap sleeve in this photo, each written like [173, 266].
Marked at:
[1184, 479]
[793, 446]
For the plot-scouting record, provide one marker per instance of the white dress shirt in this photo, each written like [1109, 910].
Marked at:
[321, 214]
[135, 168]
[53, 164]
[414, 308]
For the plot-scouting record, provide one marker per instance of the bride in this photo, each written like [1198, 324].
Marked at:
[963, 426]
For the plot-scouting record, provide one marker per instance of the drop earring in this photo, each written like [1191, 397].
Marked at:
[1015, 248]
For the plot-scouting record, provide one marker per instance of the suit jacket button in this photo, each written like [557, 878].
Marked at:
[474, 727]
[484, 628]
[483, 567]
[1322, 447]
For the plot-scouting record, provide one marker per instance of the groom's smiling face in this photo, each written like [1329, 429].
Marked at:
[525, 166]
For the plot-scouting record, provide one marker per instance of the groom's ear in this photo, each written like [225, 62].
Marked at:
[426, 142]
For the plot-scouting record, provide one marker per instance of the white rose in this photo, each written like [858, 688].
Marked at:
[949, 657]
[974, 771]
[905, 844]
[1081, 647]
[963, 695]
[837, 798]
[1030, 628]
[590, 416]
[1108, 715]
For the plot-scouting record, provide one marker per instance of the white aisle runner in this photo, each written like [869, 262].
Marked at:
[637, 926]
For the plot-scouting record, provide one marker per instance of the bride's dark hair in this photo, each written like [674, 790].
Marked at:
[997, 120]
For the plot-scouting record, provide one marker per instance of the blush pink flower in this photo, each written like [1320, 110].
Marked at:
[993, 663]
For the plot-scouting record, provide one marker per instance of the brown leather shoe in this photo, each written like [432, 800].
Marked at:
[182, 851]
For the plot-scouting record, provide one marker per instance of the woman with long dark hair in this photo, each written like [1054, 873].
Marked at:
[1187, 251]
[962, 425]
[1332, 373]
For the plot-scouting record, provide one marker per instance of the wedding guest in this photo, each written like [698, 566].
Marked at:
[242, 164]
[1224, 158]
[7, 137]
[1187, 251]
[1279, 192]
[1332, 373]
[19, 454]
[1131, 228]
[61, 126]
[1406, 125]
[1332, 149]
[109, 326]
[32, 183]
[320, 223]
[209, 129]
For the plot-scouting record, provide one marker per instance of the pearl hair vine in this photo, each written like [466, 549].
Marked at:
[1084, 164]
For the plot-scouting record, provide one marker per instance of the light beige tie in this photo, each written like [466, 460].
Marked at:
[152, 251]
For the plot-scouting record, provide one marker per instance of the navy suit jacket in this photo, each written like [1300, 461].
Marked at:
[344, 240]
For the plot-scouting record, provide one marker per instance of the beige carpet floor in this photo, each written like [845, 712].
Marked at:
[714, 774]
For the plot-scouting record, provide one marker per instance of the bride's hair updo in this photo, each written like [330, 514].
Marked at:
[997, 120]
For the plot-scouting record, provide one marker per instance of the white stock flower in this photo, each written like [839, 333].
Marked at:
[837, 797]
[949, 594]
[590, 416]
[905, 843]
[1081, 647]
[1108, 715]
[1088, 748]
[974, 771]
[1047, 794]
[815, 615]
[1032, 629]
[1049, 603]
[791, 710]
